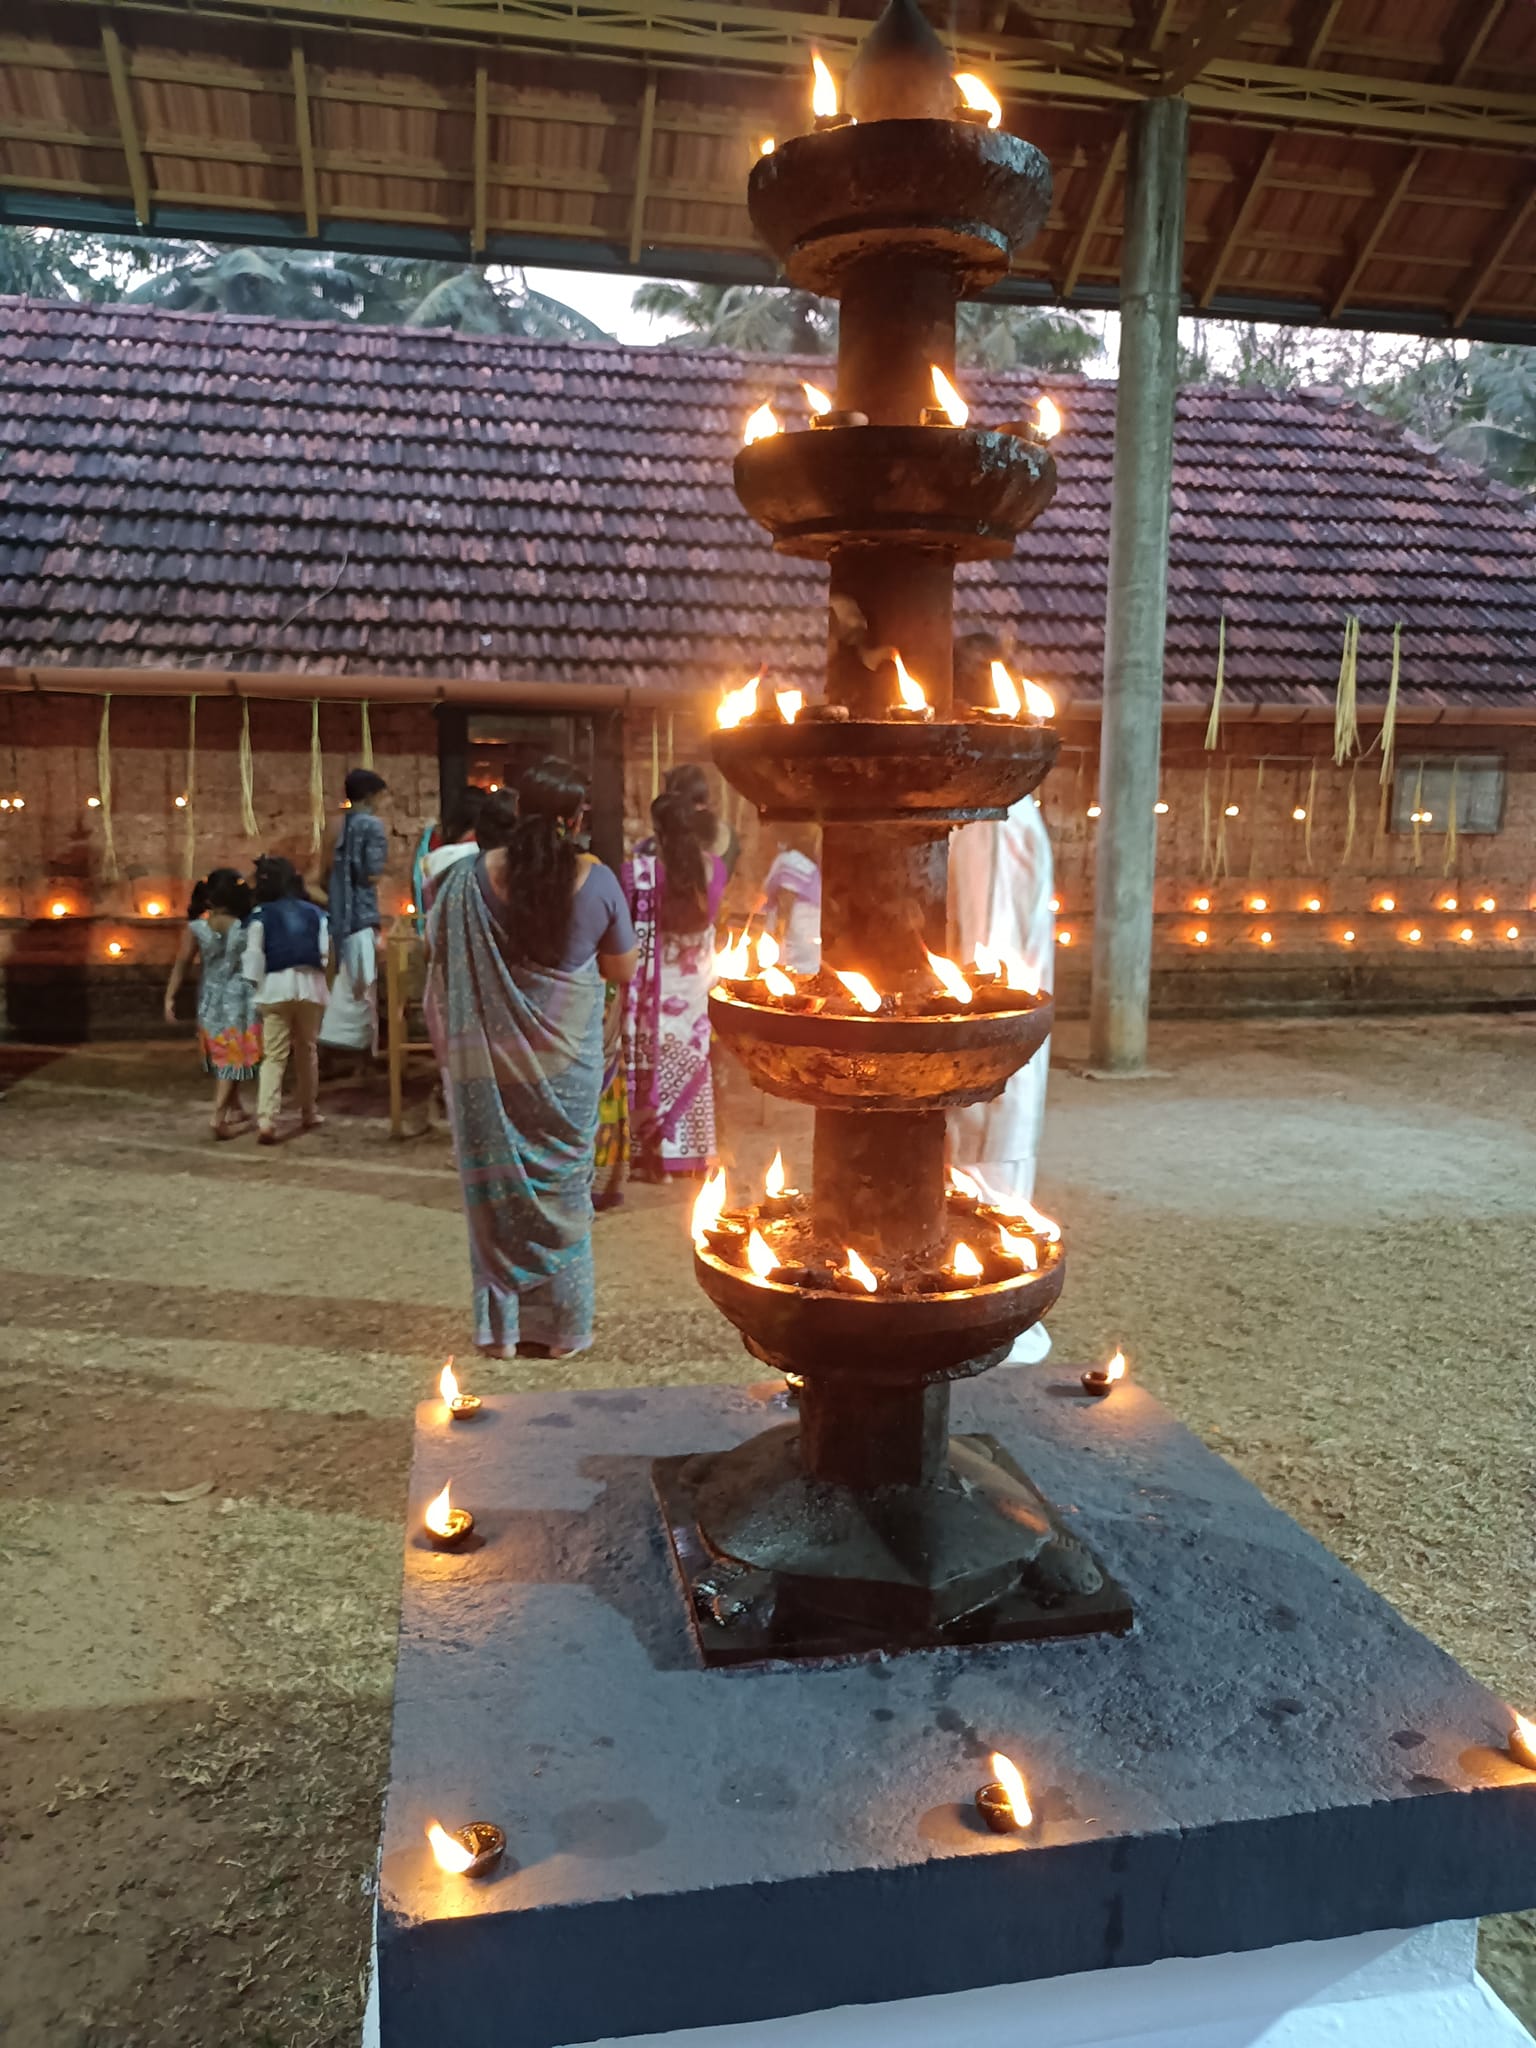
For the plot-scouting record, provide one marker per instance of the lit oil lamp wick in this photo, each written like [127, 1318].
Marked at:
[1098, 1379]
[951, 409]
[779, 1199]
[470, 1851]
[446, 1524]
[1004, 1803]
[1522, 1741]
[461, 1407]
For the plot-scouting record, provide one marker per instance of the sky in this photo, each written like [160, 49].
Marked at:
[602, 297]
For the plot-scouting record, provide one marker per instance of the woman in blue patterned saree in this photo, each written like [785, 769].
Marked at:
[520, 943]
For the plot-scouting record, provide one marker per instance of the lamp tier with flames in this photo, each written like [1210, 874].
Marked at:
[886, 1275]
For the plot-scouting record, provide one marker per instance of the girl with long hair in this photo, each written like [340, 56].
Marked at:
[520, 942]
[674, 882]
[228, 1031]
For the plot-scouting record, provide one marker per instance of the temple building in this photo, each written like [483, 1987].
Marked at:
[235, 553]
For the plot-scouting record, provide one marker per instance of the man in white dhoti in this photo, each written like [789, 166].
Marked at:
[1000, 887]
[357, 864]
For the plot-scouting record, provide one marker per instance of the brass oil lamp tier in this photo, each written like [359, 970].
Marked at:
[864, 1524]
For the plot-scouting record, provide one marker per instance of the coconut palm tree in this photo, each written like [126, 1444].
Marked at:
[755, 318]
[775, 320]
[387, 291]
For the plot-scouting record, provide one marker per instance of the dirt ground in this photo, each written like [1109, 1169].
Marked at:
[1313, 1238]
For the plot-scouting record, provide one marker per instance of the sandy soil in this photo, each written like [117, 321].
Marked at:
[1313, 1238]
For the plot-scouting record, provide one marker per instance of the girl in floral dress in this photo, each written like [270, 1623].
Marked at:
[228, 1028]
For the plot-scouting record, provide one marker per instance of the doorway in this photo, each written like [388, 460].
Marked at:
[493, 749]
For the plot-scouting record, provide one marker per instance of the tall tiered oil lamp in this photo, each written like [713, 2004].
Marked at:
[864, 1524]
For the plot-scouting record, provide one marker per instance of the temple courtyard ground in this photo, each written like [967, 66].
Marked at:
[1313, 1238]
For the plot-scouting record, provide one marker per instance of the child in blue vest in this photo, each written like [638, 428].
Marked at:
[285, 952]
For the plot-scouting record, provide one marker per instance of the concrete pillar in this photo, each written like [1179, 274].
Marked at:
[1150, 276]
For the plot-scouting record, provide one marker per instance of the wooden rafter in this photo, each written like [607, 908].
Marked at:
[1491, 262]
[750, 38]
[127, 122]
[305, 137]
[1109, 170]
[1311, 40]
[1396, 191]
[481, 158]
[643, 151]
[1481, 29]
[1471, 49]
[1219, 29]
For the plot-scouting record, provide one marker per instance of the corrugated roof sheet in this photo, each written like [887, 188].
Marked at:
[244, 493]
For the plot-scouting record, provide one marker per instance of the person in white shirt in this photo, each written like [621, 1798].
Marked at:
[1000, 881]
[284, 958]
[792, 894]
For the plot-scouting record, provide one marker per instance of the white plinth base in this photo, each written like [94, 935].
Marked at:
[1413, 1989]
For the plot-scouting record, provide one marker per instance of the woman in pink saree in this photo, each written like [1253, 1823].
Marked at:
[674, 884]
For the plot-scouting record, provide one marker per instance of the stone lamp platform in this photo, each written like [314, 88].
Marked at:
[1242, 1807]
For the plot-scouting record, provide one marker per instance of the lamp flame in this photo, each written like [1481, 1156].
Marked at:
[766, 146]
[1021, 1248]
[448, 1384]
[1008, 698]
[976, 93]
[1041, 1225]
[1011, 1778]
[964, 1261]
[767, 951]
[1522, 1740]
[451, 1855]
[1038, 703]
[438, 1511]
[789, 703]
[1047, 418]
[987, 962]
[962, 1184]
[861, 1272]
[773, 1179]
[736, 705]
[1115, 1370]
[760, 1256]
[732, 960]
[708, 1204]
[912, 693]
[823, 90]
[777, 982]
[816, 398]
[760, 425]
[950, 978]
[861, 988]
[949, 398]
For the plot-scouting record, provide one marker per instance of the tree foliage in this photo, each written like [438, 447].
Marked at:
[283, 284]
[775, 320]
[1475, 401]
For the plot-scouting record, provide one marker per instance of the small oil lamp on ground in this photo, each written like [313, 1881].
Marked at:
[863, 1523]
[461, 1407]
[470, 1851]
[1004, 1803]
[1098, 1379]
[446, 1525]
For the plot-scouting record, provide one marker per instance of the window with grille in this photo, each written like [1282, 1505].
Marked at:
[1428, 784]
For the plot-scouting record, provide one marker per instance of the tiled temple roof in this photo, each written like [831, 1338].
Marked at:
[184, 490]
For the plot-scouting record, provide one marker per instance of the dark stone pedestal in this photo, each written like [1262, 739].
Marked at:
[1272, 1756]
